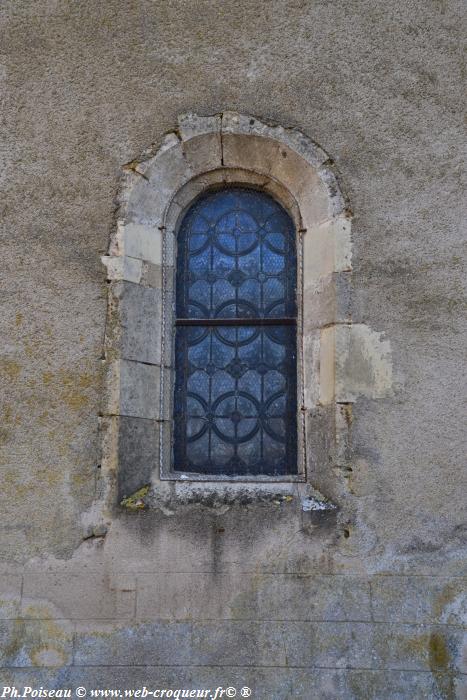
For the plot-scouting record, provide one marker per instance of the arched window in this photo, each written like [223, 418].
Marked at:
[263, 380]
[235, 394]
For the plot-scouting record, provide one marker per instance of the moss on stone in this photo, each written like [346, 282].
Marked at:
[136, 500]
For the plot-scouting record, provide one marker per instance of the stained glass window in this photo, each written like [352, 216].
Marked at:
[235, 347]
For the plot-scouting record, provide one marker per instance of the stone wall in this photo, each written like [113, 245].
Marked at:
[218, 588]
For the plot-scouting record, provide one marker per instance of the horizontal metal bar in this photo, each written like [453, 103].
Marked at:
[236, 322]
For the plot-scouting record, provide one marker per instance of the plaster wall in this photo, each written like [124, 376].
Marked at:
[225, 590]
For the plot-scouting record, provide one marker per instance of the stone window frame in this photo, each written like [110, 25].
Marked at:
[155, 192]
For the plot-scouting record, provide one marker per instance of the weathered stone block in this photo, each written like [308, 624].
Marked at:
[191, 125]
[252, 597]
[154, 182]
[151, 676]
[343, 441]
[354, 361]
[122, 268]
[166, 428]
[166, 172]
[457, 685]
[157, 644]
[419, 599]
[329, 684]
[108, 431]
[135, 198]
[140, 316]
[276, 683]
[139, 390]
[327, 248]
[169, 247]
[327, 365]
[304, 146]
[382, 685]
[138, 454]
[49, 677]
[10, 595]
[253, 152]
[327, 644]
[311, 340]
[203, 152]
[376, 646]
[238, 644]
[36, 643]
[337, 200]
[419, 647]
[140, 241]
[111, 397]
[290, 168]
[327, 301]
[78, 596]
[363, 363]
[235, 123]
[151, 275]
[313, 202]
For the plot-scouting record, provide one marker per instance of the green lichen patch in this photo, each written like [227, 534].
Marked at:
[136, 500]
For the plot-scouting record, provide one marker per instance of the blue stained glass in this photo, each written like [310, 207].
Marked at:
[235, 387]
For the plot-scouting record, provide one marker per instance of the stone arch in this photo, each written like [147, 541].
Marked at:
[156, 190]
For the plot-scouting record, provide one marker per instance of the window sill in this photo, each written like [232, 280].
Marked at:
[172, 496]
[223, 478]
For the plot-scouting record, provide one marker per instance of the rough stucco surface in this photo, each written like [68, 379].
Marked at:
[368, 604]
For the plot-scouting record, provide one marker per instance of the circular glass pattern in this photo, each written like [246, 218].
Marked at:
[235, 383]
[236, 416]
